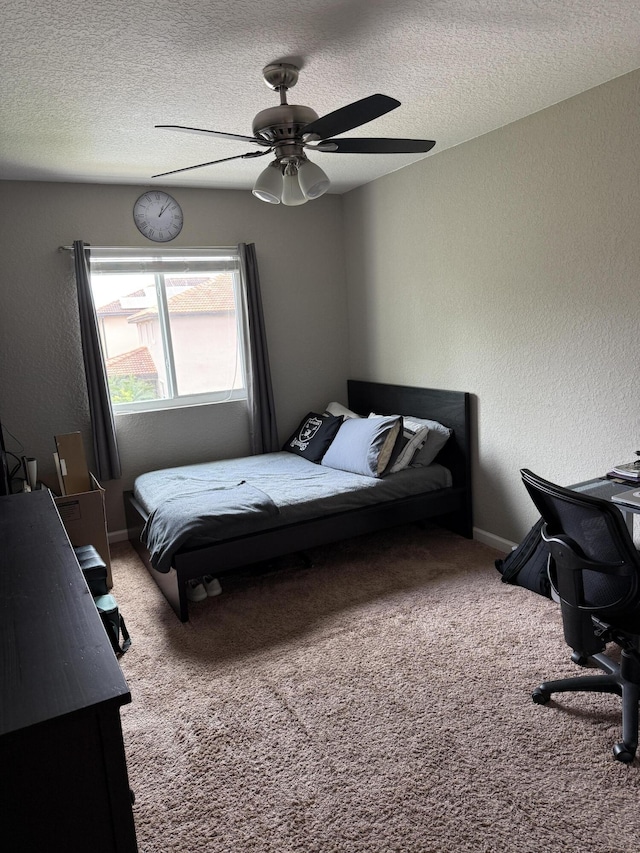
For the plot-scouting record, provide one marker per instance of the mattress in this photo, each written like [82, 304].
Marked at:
[196, 505]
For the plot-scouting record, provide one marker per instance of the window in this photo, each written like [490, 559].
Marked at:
[171, 325]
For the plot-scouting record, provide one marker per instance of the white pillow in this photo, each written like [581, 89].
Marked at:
[414, 435]
[339, 409]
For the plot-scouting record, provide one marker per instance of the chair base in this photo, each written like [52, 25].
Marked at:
[622, 679]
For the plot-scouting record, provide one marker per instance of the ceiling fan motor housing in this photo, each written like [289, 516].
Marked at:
[282, 127]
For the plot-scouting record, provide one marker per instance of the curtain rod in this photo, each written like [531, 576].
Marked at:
[147, 248]
[110, 248]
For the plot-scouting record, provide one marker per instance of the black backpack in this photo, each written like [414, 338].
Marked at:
[526, 565]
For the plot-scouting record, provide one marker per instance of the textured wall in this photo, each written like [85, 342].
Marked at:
[509, 267]
[42, 389]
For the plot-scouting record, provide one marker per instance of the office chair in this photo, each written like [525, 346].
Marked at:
[594, 569]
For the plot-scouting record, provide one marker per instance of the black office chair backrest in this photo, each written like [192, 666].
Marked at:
[595, 567]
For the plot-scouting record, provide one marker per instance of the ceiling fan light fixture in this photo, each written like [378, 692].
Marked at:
[286, 130]
[313, 181]
[268, 186]
[291, 192]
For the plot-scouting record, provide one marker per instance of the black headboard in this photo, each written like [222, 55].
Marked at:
[451, 408]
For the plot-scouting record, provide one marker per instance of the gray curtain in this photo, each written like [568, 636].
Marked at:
[262, 415]
[105, 446]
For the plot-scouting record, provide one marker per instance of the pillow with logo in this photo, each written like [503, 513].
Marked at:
[313, 436]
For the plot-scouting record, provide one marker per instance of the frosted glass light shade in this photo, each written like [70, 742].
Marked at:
[291, 192]
[268, 185]
[313, 181]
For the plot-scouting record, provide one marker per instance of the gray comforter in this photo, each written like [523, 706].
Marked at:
[197, 505]
[204, 510]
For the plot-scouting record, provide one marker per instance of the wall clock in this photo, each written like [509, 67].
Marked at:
[158, 216]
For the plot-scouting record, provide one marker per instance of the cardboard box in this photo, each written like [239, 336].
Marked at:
[84, 518]
[73, 470]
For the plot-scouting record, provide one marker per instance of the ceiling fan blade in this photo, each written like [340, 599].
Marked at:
[353, 115]
[247, 156]
[378, 146]
[253, 139]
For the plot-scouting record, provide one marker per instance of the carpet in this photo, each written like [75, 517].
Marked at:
[378, 701]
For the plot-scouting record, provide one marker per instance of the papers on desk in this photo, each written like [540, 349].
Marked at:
[627, 470]
[629, 498]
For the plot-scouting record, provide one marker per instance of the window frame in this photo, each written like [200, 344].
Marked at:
[161, 262]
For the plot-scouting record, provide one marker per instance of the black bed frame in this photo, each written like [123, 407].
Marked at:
[449, 507]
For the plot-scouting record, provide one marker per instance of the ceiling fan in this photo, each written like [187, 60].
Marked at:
[289, 131]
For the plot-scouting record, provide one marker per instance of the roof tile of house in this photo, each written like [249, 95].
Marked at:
[115, 307]
[135, 362]
[215, 294]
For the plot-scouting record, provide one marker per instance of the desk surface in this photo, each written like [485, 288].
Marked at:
[605, 488]
[56, 658]
[601, 487]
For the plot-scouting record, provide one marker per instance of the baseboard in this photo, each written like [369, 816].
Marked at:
[492, 540]
[118, 536]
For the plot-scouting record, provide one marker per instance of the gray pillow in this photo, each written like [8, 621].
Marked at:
[412, 439]
[437, 437]
[361, 443]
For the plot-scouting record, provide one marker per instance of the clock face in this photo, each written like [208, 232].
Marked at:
[158, 216]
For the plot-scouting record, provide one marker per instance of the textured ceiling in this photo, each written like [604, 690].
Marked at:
[84, 82]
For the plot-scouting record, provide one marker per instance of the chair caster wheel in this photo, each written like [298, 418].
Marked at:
[621, 752]
[540, 696]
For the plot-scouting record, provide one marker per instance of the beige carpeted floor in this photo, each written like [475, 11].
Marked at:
[378, 701]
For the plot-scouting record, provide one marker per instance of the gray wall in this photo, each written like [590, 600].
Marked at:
[507, 266]
[42, 389]
[510, 267]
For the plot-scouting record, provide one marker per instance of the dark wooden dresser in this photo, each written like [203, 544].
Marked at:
[62, 761]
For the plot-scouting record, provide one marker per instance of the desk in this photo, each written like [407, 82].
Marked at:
[64, 775]
[603, 487]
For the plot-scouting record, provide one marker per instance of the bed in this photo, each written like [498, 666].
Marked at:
[275, 521]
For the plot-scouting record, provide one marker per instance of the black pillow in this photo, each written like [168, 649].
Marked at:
[313, 436]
